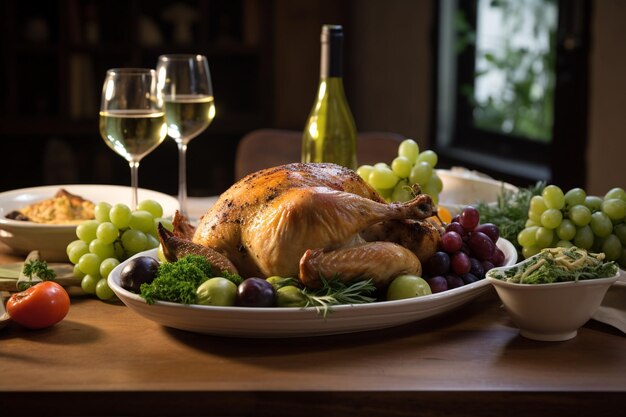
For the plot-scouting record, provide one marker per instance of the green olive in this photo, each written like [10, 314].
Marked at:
[278, 281]
[217, 291]
[290, 296]
[407, 286]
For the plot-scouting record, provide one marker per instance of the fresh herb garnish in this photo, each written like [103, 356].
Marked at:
[510, 211]
[334, 292]
[36, 270]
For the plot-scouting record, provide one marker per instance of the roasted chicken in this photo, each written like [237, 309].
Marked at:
[312, 220]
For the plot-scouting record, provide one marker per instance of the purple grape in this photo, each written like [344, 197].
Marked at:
[465, 249]
[456, 227]
[256, 292]
[438, 264]
[476, 268]
[481, 245]
[469, 278]
[451, 242]
[460, 263]
[469, 218]
[498, 257]
[490, 230]
[454, 281]
[437, 284]
[455, 218]
[487, 265]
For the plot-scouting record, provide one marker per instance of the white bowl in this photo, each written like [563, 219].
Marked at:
[270, 322]
[51, 240]
[462, 187]
[550, 312]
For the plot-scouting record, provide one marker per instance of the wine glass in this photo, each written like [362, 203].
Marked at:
[185, 82]
[132, 117]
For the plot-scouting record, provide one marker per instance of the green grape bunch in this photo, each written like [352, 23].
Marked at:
[114, 235]
[593, 223]
[411, 167]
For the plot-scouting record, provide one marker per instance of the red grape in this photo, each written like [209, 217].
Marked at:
[460, 263]
[454, 281]
[490, 230]
[476, 268]
[256, 292]
[487, 265]
[451, 242]
[456, 227]
[469, 218]
[498, 257]
[469, 278]
[481, 245]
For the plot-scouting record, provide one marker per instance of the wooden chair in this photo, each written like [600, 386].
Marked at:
[265, 148]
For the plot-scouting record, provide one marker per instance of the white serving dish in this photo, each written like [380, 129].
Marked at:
[299, 322]
[52, 240]
[550, 312]
[462, 187]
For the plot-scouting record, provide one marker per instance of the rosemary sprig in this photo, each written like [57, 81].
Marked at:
[335, 292]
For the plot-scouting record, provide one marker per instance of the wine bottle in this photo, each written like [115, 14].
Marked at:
[330, 131]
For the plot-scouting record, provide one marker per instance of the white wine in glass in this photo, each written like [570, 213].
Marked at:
[132, 117]
[185, 82]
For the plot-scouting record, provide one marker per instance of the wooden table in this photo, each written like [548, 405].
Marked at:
[103, 359]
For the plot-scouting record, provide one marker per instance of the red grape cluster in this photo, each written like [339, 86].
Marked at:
[467, 250]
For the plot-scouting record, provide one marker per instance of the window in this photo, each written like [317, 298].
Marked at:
[511, 88]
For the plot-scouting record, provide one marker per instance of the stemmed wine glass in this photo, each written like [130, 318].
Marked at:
[132, 117]
[185, 82]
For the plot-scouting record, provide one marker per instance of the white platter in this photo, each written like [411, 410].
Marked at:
[300, 322]
[51, 240]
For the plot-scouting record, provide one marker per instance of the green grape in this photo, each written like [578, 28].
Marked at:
[103, 291]
[167, 223]
[531, 223]
[620, 231]
[76, 249]
[152, 242]
[364, 172]
[596, 247]
[402, 191]
[89, 282]
[622, 259]
[401, 166]
[544, 237]
[566, 230]
[101, 212]
[430, 189]
[107, 266]
[381, 165]
[575, 196]
[601, 224]
[383, 178]
[77, 272]
[409, 149]
[120, 253]
[86, 231]
[436, 182]
[102, 249]
[89, 264]
[151, 206]
[430, 157]
[615, 208]
[107, 232]
[612, 247]
[141, 220]
[553, 197]
[537, 204]
[551, 218]
[120, 215]
[529, 251]
[134, 241]
[616, 192]
[385, 193]
[421, 173]
[526, 237]
[161, 255]
[593, 203]
[584, 237]
[580, 215]
[564, 244]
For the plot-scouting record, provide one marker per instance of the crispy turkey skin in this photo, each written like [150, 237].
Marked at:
[265, 223]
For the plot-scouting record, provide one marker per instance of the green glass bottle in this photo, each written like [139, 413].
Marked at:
[330, 132]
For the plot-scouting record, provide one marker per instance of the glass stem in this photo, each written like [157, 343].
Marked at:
[182, 178]
[134, 183]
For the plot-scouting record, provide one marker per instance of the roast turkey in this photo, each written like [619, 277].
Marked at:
[310, 221]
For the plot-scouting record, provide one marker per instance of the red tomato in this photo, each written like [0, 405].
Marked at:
[40, 306]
